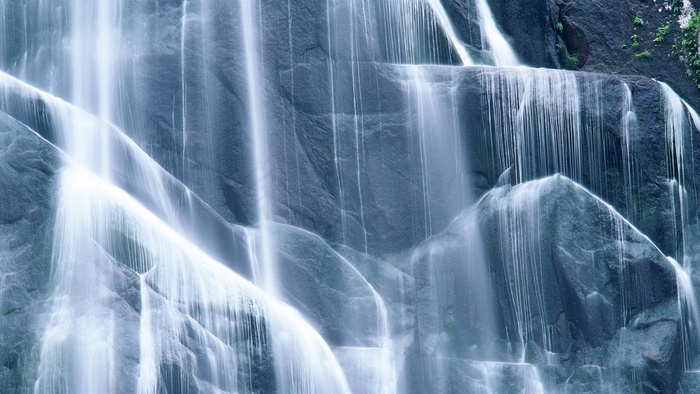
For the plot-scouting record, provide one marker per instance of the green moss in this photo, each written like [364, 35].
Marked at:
[643, 55]
[661, 33]
[689, 44]
[568, 61]
[675, 5]
[635, 41]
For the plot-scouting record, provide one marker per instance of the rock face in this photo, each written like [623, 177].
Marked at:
[327, 289]
[28, 167]
[432, 222]
[562, 269]
[527, 25]
[604, 33]
[602, 36]
[341, 140]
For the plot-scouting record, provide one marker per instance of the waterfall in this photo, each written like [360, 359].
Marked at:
[104, 229]
[186, 292]
[629, 127]
[681, 122]
[503, 54]
[258, 130]
[339, 196]
[100, 228]
[447, 27]
[536, 111]
[444, 174]
[410, 31]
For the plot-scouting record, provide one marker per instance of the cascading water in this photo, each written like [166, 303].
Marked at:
[443, 172]
[203, 148]
[258, 129]
[631, 170]
[503, 54]
[681, 123]
[100, 228]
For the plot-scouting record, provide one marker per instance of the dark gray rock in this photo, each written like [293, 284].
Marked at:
[527, 25]
[330, 293]
[345, 163]
[600, 33]
[195, 217]
[344, 154]
[549, 33]
[532, 32]
[28, 168]
[562, 270]
[394, 286]
[190, 111]
[690, 383]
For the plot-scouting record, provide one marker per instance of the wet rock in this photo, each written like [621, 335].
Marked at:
[28, 167]
[562, 269]
[608, 28]
[690, 383]
[587, 379]
[326, 289]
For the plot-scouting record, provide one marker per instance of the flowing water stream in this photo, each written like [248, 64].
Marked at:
[153, 288]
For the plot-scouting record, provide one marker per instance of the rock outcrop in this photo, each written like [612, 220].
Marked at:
[28, 173]
[553, 288]
[447, 219]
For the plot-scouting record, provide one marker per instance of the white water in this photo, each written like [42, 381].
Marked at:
[163, 321]
[370, 369]
[689, 309]
[681, 124]
[436, 120]
[409, 21]
[98, 229]
[450, 33]
[536, 111]
[407, 32]
[491, 35]
[184, 292]
[556, 117]
[519, 226]
[630, 168]
[258, 131]
[183, 84]
[413, 30]
[519, 221]
[494, 374]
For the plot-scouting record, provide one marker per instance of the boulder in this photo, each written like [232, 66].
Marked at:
[28, 167]
[562, 270]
